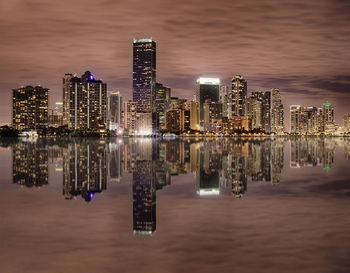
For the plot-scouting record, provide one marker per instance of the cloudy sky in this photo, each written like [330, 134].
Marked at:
[301, 47]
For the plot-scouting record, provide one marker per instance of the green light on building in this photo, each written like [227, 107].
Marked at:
[327, 168]
[327, 104]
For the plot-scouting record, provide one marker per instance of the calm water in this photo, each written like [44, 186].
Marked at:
[142, 205]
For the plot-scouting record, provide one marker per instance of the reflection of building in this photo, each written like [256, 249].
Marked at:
[144, 190]
[30, 164]
[30, 108]
[115, 162]
[84, 169]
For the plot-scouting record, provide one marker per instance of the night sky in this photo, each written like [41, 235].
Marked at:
[301, 47]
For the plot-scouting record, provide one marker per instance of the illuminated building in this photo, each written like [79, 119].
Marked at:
[66, 95]
[84, 169]
[346, 123]
[144, 74]
[194, 115]
[143, 124]
[254, 110]
[206, 89]
[87, 102]
[115, 111]
[30, 164]
[115, 162]
[238, 96]
[30, 108]
[277, 112]
[295, 114]
[265, 99]
[224, 99]
[130, 116]
[162, 97]
[173, 120]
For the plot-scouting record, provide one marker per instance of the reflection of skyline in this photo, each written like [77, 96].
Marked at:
[221, 166]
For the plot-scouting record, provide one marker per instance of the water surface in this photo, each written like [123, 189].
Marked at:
[146, 205]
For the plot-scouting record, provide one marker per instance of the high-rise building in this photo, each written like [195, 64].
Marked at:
[328, 113]
[30, 108]
[206, 89]
[254, 110]
[277, 112]
[144, 74]
[66, 95]
[295, 112]
[194, 115]
[346, 123]
[238, 96]
[163, 95]
[224, 99]
[87, 102]
[115, 111]
[130, 116]
[265, 98]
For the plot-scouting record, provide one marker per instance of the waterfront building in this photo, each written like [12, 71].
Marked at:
[238, 96]
[346, 123]
[30, 108]
[162, 101]
[277, 112]
[87, 102]
[254, 111]
[130, 117]
[144, 74]
[265, 99]
[115, 110]
[206, 89]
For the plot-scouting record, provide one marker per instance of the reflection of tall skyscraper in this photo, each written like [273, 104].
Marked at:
[208, 178]
[84, 169]
[144, 74]
[30, 108]
[30, 164]
[144, 191]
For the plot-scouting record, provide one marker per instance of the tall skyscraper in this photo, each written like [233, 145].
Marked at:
[328, 113]
[295, 113]
[206, 89]
[130, 116]
[254, 111]
[144, 74]
[115, 111]
[224, 99]
[87, 102]
[30, 108]
[238, 96]
[277, 112]
[265, 98]
[163, 95]
[66, 95]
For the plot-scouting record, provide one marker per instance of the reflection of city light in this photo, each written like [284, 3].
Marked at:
[204, 192]
[143, 232]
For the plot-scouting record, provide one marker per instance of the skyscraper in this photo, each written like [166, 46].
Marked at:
[254, 111]
[144, 74]
[66, 95]
[295, 113]
[87, 102]
[277, 112]
[346, 123]
[162, 100]
[328, 113]
[238, 96]
[206, 89]
[265, 99]
[115, 110]
[30, 108]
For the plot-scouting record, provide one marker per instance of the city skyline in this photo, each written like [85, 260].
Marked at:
[305, 59]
